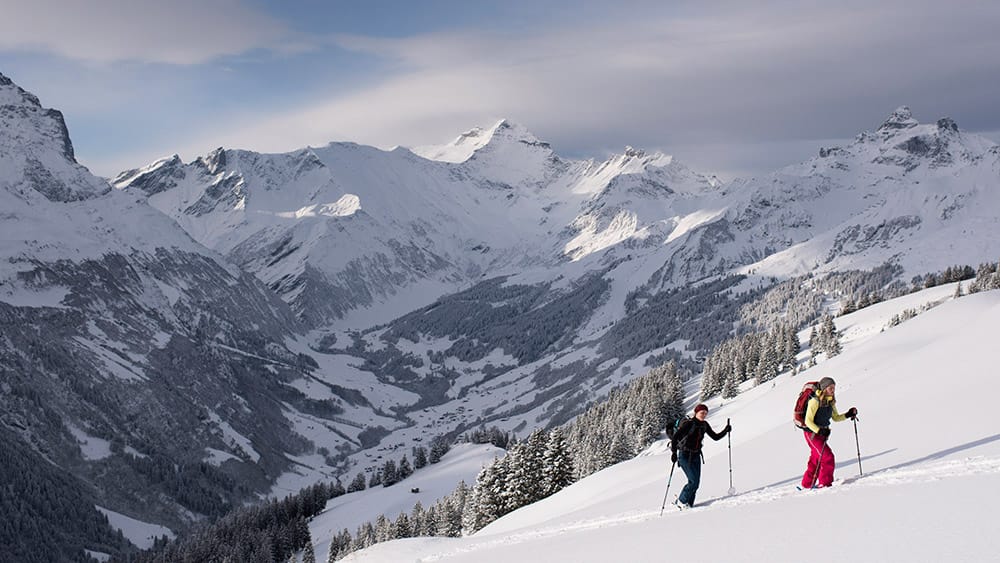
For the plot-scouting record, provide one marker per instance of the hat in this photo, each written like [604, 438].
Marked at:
[702, 407]
[826, 382]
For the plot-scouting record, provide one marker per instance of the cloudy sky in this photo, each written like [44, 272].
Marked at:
[732, 88]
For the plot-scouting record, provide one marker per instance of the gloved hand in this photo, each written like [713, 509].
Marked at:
[824, 432]
[673, 456]
[851, 413]
[727, 429]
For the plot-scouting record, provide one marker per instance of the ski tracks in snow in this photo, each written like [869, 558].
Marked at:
[921, 473]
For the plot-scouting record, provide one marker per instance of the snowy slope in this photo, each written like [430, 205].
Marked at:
[930, 451]
[462, 463]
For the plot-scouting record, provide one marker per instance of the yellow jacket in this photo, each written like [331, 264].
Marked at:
[826, 407]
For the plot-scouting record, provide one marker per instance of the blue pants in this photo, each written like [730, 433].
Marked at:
[690, 462]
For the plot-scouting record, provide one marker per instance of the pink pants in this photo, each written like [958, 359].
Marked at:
[820, 455]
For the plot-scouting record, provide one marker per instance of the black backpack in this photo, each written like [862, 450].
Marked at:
[673, 426]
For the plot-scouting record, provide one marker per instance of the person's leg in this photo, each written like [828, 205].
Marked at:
[696, 473]
[687, 462]
[809, 477]
[826, 466]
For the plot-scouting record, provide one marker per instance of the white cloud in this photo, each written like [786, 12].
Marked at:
[104, 31]
[701, 85]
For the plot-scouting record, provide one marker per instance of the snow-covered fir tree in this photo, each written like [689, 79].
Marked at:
[358, 484]
[419, 457]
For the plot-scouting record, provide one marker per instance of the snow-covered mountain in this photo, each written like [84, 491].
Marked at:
[519, 285]
[912, 482]
[916, 194]
[344, 227]
[134, 358]
[301, 316]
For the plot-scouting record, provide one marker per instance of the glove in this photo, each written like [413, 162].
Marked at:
[824, 432]
[727, 429]
[851, 413]
[673, 456]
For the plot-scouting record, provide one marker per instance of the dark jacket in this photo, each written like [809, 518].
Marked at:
[691, 433]
[820, 410]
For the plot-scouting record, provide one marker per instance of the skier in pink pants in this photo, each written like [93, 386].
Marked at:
[822, 408]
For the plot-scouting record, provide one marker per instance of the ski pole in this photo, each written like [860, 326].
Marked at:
[665, 493]
[857, 444]
[729, 435]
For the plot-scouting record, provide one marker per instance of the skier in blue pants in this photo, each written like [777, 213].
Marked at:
[686, 446]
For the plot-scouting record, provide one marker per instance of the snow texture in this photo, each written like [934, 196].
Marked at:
[930, 453]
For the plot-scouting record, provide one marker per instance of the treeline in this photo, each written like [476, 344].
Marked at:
[702, 314]
[47, 514]
[758, 356]
[523, 320]
[614, 430]
[272, 531]
[276, 530]
[492, 435]
[392, 472]
[804, 300]
[860, 299]
[628, 420]
[987, 278]
[195, 486]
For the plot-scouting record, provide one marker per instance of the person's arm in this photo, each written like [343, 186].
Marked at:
[716, 435]
[837, 417]
[811, 407]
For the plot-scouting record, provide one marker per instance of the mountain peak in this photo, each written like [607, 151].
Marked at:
[13, 95]
[36, 142]
[901, 118]
[508, 130]
[467, 144]
[214, 161]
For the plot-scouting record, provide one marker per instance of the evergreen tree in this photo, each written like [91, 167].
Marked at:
[419, 457]
[340, 544]
[390, 475]
[358, 484]
[815, 346]
[404, 468]
[767, 366]
[383, 529]
[730, 388]
[418, 520]
[337, 489]
[792, 347]
[557, 464]
[439, 447]
[449, 518]
[831, 337]
[834, 348]
[308, 555]
[401, 528]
